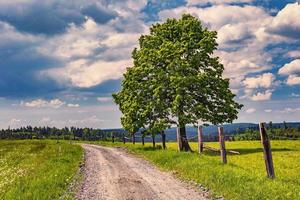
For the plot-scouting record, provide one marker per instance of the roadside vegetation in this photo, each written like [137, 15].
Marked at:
[244, 176]
[37, 169]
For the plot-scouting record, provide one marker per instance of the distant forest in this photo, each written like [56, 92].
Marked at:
[66, 133]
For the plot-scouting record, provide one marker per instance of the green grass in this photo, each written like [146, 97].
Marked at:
[244, 177]
[36, 169]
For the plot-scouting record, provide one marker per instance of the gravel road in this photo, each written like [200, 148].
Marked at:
[114, 174]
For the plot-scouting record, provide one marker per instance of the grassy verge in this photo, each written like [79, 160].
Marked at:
[243, 178]
[37, 169]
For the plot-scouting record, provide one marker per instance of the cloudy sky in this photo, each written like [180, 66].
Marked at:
[61, 60]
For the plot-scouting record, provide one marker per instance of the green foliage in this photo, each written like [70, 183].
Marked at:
[244, 177]
[37, 169]
[175, 76]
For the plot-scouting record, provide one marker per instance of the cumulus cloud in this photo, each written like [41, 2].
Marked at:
[290, 68]
[227, 14]
[73, 105]
[53, 16]
[82, 73]
[250, 110]
[262, 96]
[293, 80]
[91, 53]
[286, 22]
[268, 110]
[260, 81]
[294, 54]
[205, 2]
[263, 83]
[95, 46]
[40, 103]
[234, 33]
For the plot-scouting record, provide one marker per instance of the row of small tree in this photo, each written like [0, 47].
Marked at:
[67, 133]
[175, 80]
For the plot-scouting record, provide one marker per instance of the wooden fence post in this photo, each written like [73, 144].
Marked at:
[133, 138]
[222, 145]
[200, 139]
[267, 150]
[163, 139]
[179, 142]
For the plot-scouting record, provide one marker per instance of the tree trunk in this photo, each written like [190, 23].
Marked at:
[143, 140]
[183, 139]
[163, 138]
[153, 140]
[133, 138]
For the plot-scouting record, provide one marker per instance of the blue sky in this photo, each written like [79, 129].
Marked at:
[60, 61]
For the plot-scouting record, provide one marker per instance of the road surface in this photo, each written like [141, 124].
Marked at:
[114, 174]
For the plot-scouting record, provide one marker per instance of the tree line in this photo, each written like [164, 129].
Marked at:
[72, 133]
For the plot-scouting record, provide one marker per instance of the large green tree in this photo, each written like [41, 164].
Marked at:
[176, 79]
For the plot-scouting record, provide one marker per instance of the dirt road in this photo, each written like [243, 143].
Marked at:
[113, 174]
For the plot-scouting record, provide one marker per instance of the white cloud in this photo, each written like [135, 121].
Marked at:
[234, 33]
[40, 103]
[293, 80]
[82, 73]
[294, 54]
[260, 81]
[73, 105]
[217, 16]
[262, 96]
[92, 53]
[286, 22]
[250, 110]
[104, 99]
[9, 35]
[268, 110]
[290, 68]
[295, 95]
[204, 2]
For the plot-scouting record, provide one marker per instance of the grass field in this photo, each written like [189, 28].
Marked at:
[37, 169]
[244, 177]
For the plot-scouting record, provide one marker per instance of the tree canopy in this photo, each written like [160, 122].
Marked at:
[175, 79]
